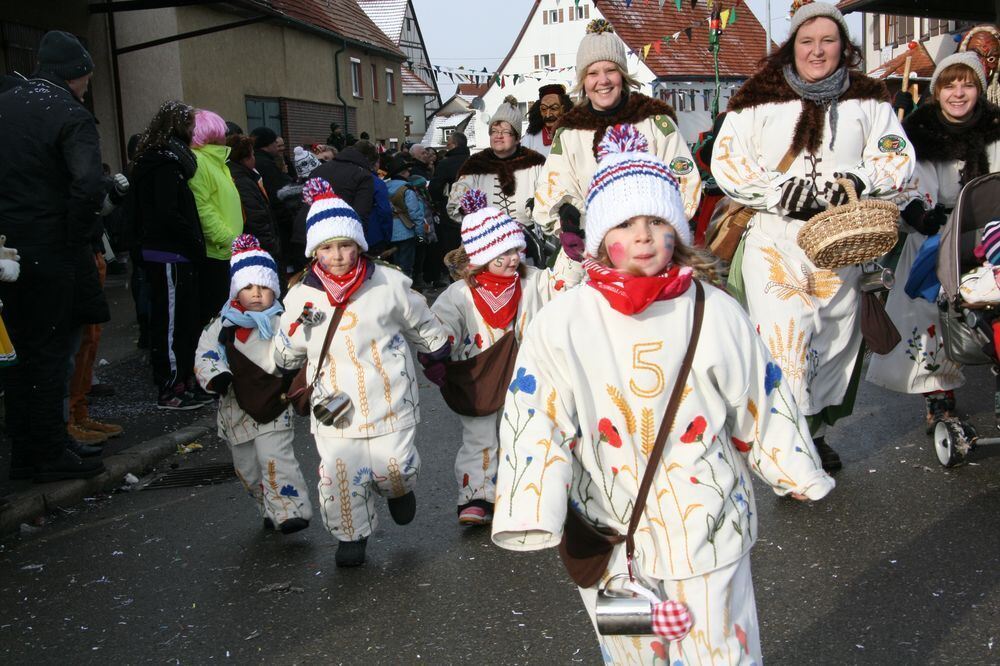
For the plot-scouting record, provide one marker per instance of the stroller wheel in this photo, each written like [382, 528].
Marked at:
[952, 441]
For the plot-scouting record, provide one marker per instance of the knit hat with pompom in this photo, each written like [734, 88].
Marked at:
[600, 43]
[329, 217]
[486, 231]
[629, 182]
[511, 112]
[250, 264]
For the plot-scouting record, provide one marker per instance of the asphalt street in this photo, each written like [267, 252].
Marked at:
[899, 565]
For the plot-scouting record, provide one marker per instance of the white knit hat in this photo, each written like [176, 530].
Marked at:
[600, 43]
[509, 111]
[250, 264]
[967, 58]
[629, 182]
[304, 161]
[809, 10]
[329, 217]
[487, 232]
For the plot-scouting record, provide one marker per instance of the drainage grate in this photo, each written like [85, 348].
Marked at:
[204, 475]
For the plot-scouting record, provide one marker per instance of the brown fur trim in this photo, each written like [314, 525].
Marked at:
[768, 86]
[485, 162]
[934, 141]
[636, 108]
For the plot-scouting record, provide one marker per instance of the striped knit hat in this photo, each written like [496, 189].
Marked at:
[630, 182]
[486, 231]
[250, 264]
[990, 243]
[329, 217]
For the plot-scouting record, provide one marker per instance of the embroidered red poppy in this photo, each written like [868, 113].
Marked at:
[694, 430]
[479, 341]
[931, 330]
[465, 480]
[742, 446]
[610, 432]
[659, 650]
[560, 284]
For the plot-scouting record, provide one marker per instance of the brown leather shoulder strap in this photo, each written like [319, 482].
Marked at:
[786, 161]
[668, 419]
[330, 330]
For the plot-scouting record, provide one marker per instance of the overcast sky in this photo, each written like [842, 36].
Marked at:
[479, 33]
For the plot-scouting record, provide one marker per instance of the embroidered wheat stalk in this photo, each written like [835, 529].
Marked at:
[619, 400]
[346, 521]
[648, 431]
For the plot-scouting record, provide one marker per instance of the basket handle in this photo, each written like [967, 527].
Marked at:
[848, 185]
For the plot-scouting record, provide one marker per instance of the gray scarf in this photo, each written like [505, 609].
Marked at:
[825, 92]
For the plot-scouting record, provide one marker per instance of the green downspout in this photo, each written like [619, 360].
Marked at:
[336, 68]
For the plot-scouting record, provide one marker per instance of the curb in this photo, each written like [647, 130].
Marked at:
[40, 500]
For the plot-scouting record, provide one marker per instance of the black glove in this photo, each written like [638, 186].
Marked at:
[529, 205]
[569, 219]
[220, 383]
[903, 101]
[926, 222]
[834, 194]
[799, 199]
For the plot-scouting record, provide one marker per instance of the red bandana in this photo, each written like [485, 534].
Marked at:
[339, 288]
[242, 332]
[497, 297]
[547, 135]
[631, 294]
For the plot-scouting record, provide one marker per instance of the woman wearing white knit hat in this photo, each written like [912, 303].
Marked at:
[497, 297]
[956, 137]
[608, 96]
[841, 126]
[593, 380]
[506, 172]
[348, 320]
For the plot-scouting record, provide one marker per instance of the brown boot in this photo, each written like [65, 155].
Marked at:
[84, 436]
[109, 429]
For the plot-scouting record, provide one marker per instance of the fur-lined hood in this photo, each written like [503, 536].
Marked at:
[486, 163]
[637, 107]
[934, 141]
[768, 86]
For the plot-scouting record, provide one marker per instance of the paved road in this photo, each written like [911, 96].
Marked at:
[901, 564]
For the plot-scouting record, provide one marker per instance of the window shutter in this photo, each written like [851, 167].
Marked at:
[545, 18]
[552, 57]
[536, 62]
[571, 13]
[876, 32]
[586, 11]
[560, 15]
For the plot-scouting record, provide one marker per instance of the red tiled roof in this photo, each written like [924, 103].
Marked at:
[920, 65]
[741, 44]
[414, 85]
[472, 89]
[343, 17]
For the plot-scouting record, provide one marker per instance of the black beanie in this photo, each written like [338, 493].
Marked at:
[63, 55]
[263, 137]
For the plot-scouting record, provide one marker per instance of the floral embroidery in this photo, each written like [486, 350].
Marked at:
[772, 377]
[523, 382]
[920, 355]
[811, 286]
[741, 446]
[288, 490]
[695, 430]
[609, 433]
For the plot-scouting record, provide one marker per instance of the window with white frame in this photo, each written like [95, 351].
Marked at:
[390, 86]
[579, 12]
[356, 77]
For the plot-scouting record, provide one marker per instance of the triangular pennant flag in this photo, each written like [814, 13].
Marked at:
[661, 4]
[732, 14]
[724, 19]
[687, 32]
[628, 3]
[645, 50]
[677, 3]
[694, 3]
[450, 77]
[656, 47]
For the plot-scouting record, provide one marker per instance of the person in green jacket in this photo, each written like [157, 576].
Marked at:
[219, 209]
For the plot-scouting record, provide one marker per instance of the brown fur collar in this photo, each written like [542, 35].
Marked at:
[936, 141]
[485, 162]
[636, 108]
[768, 86]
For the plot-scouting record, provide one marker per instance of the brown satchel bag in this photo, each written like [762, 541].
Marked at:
[301, 390]
[725, 237]
[585, 548]
[879, 333]
[258, 393]
[477, 386]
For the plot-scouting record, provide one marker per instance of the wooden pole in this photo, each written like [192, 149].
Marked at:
[906, 82]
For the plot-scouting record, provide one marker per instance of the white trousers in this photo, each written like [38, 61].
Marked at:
[353, 471]
[476, 461]
[724, 612]
[271, 474]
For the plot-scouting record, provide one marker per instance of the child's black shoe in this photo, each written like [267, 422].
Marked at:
[351, 553]
[403, 509]
[293, 525]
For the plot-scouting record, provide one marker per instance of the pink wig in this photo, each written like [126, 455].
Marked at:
[209, 127]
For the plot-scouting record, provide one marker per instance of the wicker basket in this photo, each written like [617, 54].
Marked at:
[854, 233]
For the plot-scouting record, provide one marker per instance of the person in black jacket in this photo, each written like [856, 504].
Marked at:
[445, 175]
[258, 219]
[50, 167]
[350, 175]
[172, 244]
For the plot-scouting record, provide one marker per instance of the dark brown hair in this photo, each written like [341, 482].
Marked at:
[241, 145]
[850, 55]
[173, 120]
[955, 72]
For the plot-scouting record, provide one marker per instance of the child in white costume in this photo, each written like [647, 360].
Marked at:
[499, 294]
[592, 381]
[371, 450]
[242, 336]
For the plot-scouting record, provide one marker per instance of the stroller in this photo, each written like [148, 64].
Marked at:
[967, 328]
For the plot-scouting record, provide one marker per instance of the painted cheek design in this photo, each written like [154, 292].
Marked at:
[616, 252]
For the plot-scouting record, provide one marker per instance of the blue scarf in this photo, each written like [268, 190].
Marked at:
[259, 320]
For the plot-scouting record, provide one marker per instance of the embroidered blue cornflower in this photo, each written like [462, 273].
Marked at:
[523, 382]
[288, 490]
[772, 377]
[211, 354]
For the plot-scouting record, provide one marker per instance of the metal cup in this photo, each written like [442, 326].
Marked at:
[879, 279]
[332, 408]
[621, 612]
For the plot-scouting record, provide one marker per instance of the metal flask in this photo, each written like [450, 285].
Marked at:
[621, 612]
[332, 408]
[877, 279]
